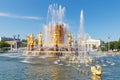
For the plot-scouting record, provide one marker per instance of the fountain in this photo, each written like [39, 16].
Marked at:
[55, 25]
[58, 43]
[82, 46]
[54, 37]
[40, 42]
[70, 62]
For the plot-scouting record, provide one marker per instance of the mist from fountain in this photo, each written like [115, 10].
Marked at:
[55, 14]
[81, 24]
[81, 33]
[55, 21]
[81, 38]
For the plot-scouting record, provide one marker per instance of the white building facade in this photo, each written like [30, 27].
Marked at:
[92, 44]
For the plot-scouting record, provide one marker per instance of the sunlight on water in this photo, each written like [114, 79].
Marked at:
[37, 68]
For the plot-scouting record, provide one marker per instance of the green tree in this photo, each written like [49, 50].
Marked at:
[24, 43]
[4, 44]
[115, 45]
[118, 45]
[102, 46]
[24, 40]
[94, 47]
[112, 45]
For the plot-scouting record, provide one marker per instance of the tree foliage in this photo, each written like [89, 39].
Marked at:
[113, 45]
[4, 44]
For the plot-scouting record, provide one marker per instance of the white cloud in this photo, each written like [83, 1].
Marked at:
[4, 14]
[19, 17]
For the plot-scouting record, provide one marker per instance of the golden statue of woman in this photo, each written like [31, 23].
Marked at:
[31, 39]
[69, 39]
[55, 40]
[34, 42]
[40, 43]
[28, 40]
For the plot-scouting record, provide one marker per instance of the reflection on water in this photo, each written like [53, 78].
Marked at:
[95, 77]
[45, 69]
[36, 68]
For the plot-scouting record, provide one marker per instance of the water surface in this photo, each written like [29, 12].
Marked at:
[22, 68]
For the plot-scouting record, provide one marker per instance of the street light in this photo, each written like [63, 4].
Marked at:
[108, 43]
[15, 42]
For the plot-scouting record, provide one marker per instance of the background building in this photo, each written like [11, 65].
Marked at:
[14, 42]
[6, 39]
[92, 44]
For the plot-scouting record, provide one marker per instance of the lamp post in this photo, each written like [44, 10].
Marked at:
[108, 43]
[18, 37]
[15, 42]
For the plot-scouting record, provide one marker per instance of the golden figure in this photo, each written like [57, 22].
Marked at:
[90, 60]
[85, 60]
[30, 41]
[95, 77]
[34, 42]
[69, 39]
[55, 40]
[96, 70]
[40, 43]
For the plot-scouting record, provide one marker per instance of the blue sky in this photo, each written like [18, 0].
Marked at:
[101, 17]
